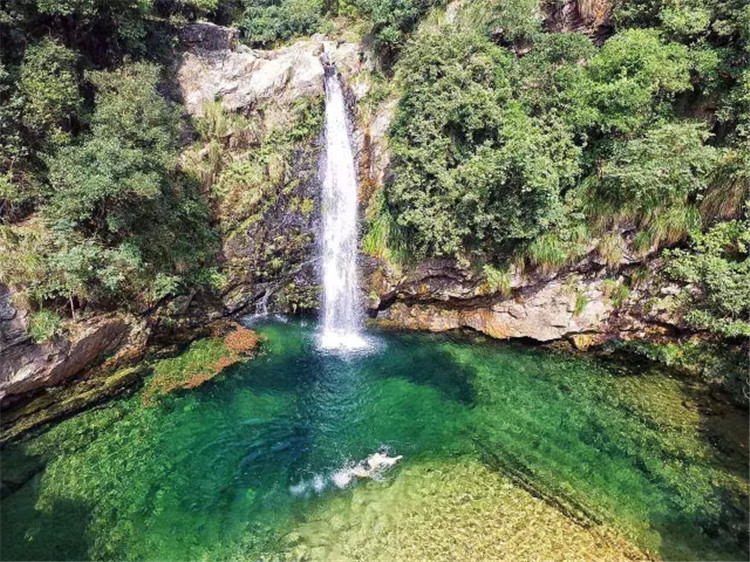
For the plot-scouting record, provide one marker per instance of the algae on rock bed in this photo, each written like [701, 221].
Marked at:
[458, 510]
[211, 473]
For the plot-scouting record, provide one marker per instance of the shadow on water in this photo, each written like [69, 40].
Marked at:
[412, 357]
[30, 532]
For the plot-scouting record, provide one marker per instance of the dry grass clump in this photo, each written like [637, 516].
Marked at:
[242, 340]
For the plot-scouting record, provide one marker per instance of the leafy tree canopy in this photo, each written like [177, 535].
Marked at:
[471, 166]
[717, 267]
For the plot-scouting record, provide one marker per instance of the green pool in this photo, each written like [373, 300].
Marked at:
[509, 452]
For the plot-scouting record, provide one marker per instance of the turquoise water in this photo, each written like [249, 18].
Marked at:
[241, 467]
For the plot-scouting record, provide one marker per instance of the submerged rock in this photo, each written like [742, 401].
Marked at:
[61, 402]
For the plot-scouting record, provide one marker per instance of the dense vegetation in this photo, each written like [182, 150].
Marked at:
[511, 146]
[95, 208]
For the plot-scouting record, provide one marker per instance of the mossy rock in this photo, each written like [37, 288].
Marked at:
[61, 402]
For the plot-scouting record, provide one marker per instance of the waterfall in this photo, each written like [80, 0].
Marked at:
[342, 315]
[261, 307]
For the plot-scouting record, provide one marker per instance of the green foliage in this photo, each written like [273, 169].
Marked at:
[553, 76]
[631, 80]
[716, 363]
[101, 27]
[717, 267]
[39, 103]
[687, 20]
[199, 358]
[23, 263]
[548, 252]
[221, 126]
[498, 280]
[383, 238]
[472, 168]
[266, 22]
[45, 326]
[120, 217]
[660, 169]
[610, 249]
[508, 21]
[618, 292]
[49, 91]
[581, 301]
[393, 20]
[555, 249]
[484, 152]
[242, 166]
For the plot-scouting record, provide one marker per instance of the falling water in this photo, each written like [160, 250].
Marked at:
[261, 307]
[342, 317]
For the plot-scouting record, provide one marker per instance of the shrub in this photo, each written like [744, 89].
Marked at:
[266, 22]
[49, 91]
[498, 280]
[120, 216]
[717, 266]
[45, 326]
[393, 20]
[630, 79]
[518, 20]
[664, 166]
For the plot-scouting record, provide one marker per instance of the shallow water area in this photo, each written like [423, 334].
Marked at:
[508, 452]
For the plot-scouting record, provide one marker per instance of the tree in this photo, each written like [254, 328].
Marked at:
[717, 269]
[393, 19]
[667, 165]
[266, 22]
[49, 91]
[119, 210]
[471, 168]
[632, 80]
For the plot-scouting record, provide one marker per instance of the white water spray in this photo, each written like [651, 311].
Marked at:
[342, 315]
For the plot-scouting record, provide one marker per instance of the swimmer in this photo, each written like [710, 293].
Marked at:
[374, 464]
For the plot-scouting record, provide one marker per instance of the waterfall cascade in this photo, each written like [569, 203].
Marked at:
[342, 314]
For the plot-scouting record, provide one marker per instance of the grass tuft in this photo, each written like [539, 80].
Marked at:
[498, 280]
[610, 249]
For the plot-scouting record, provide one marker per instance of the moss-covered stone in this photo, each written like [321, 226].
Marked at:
[61, 402]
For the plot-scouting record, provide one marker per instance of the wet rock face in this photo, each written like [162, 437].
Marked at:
[577, 304]
[13, 321]
[275, 254]
[26, 366]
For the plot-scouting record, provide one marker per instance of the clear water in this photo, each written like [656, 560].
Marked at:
[241, 467]
[342, 315]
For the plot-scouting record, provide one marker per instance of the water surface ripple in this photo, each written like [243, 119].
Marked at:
[509, 452]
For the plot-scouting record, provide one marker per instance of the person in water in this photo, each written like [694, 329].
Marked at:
[374, 464]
